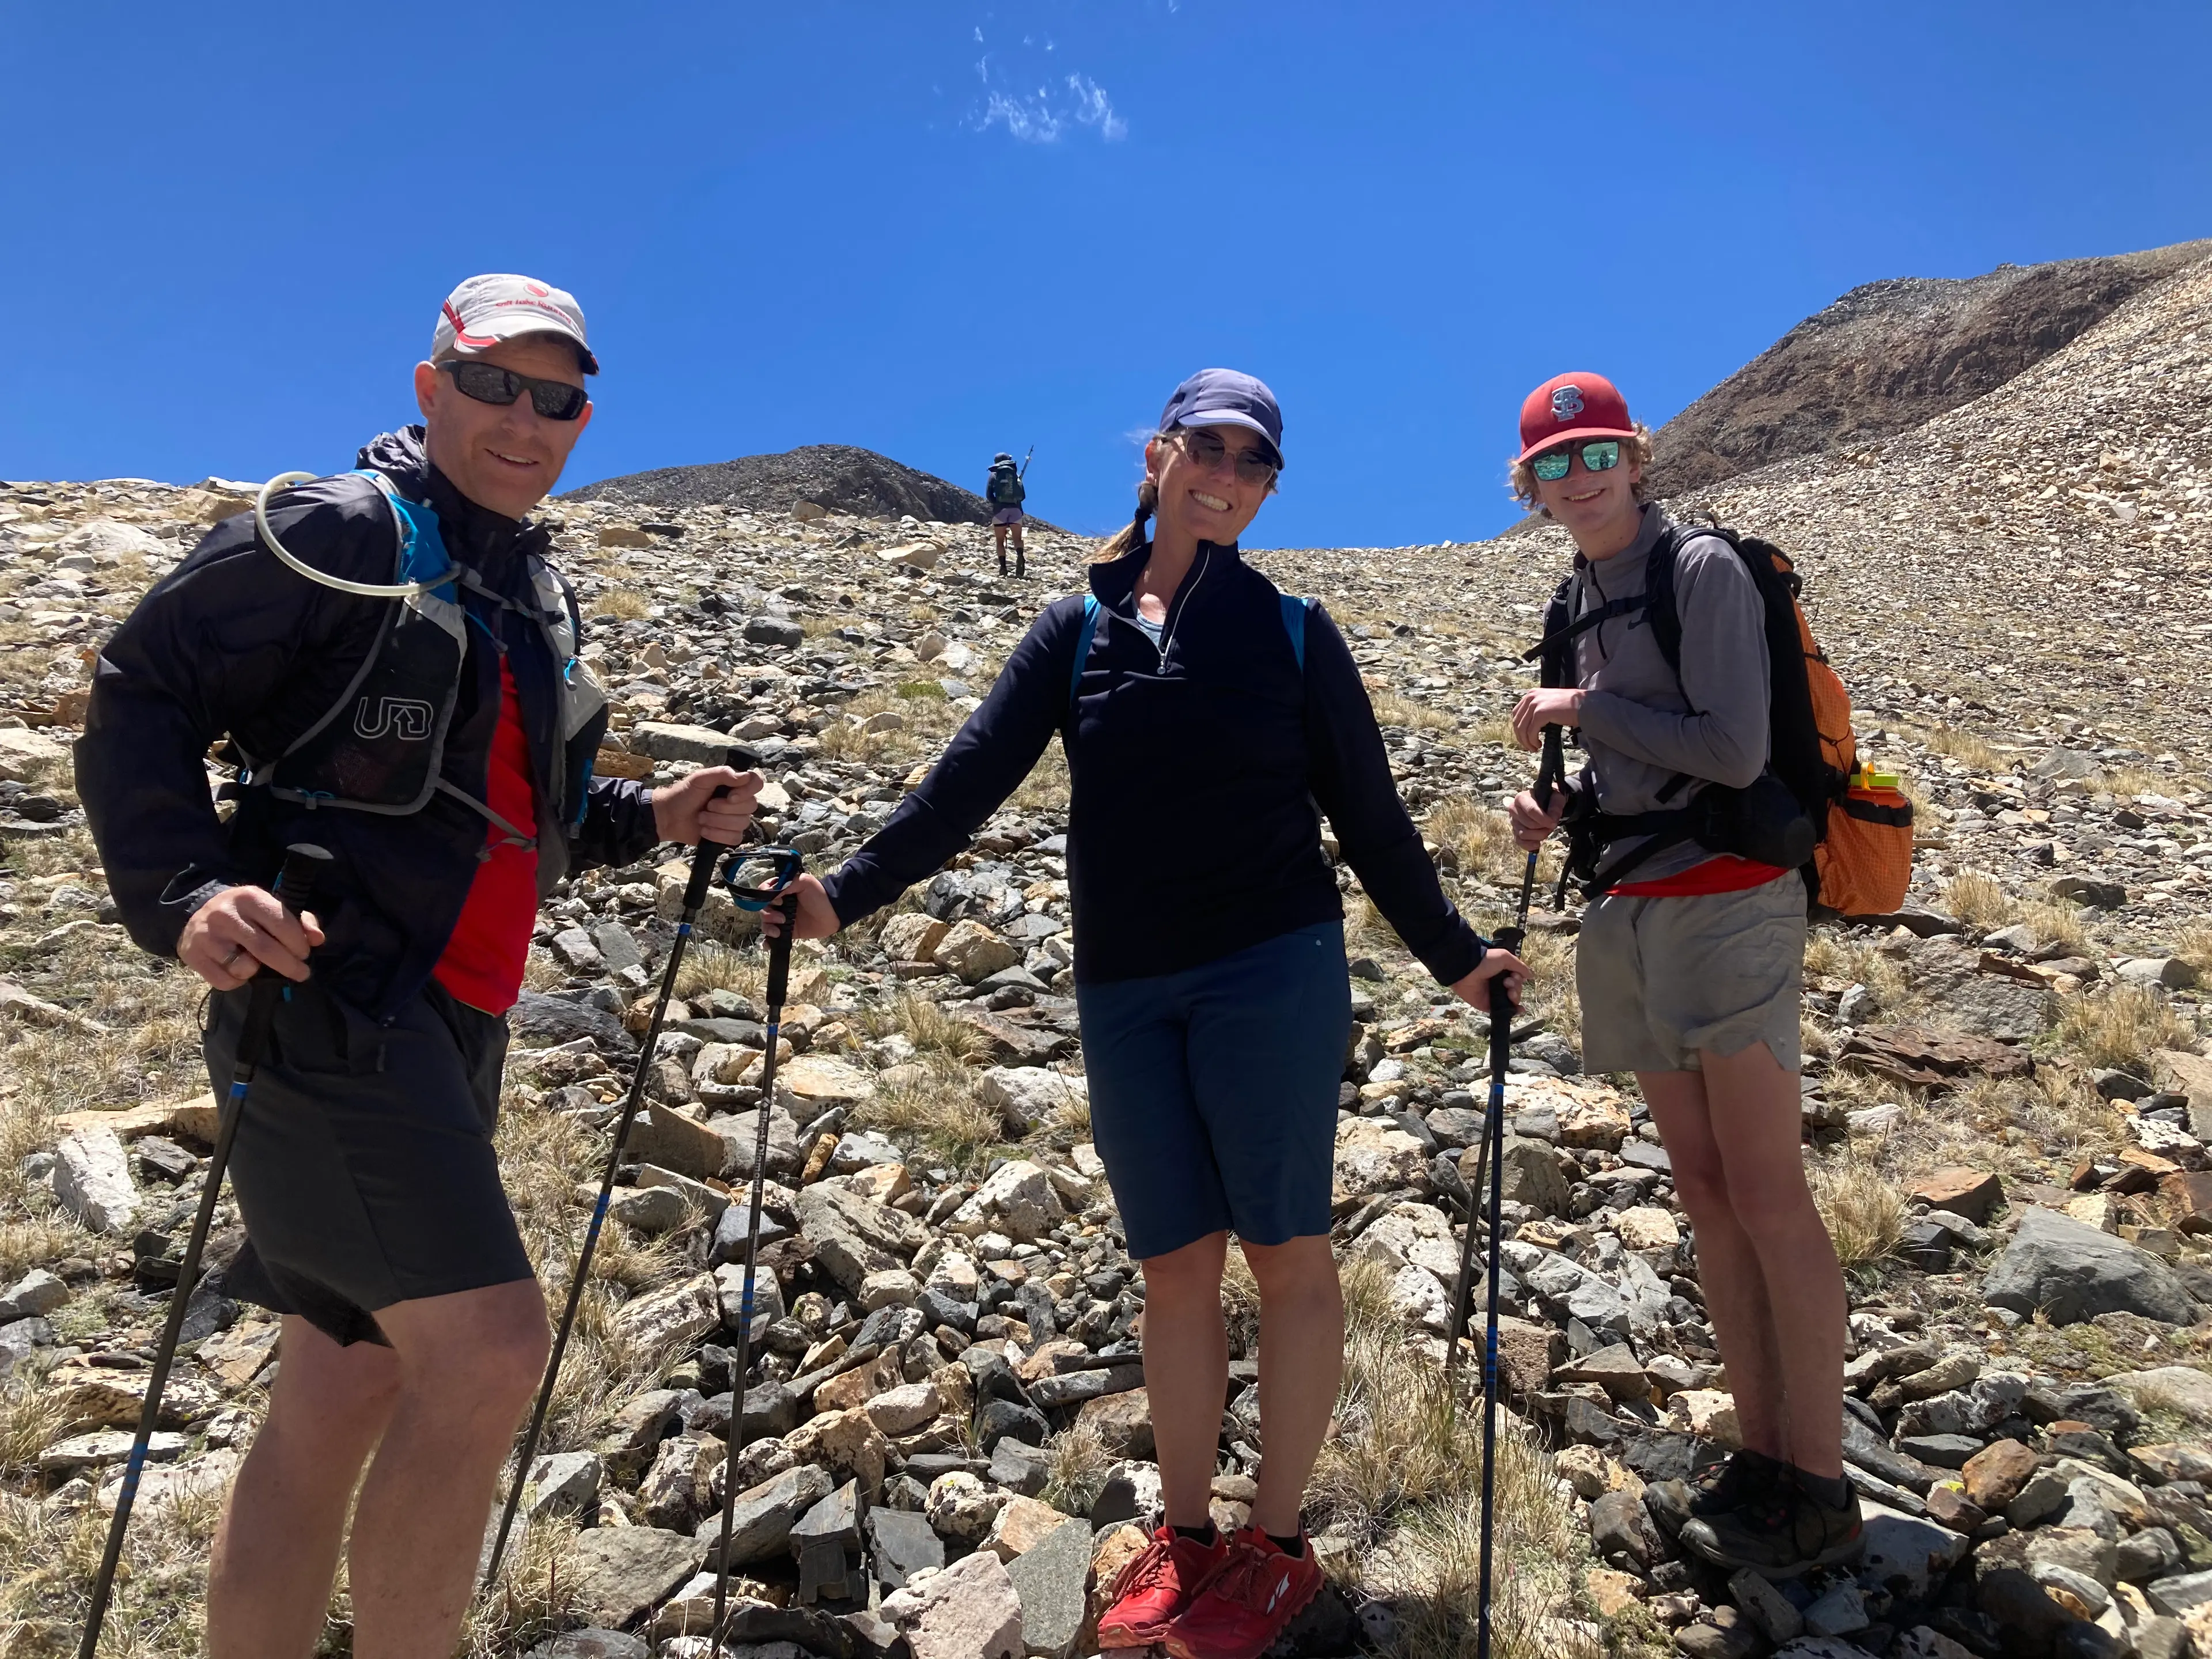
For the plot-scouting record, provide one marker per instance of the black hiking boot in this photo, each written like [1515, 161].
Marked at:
[1782, 1534]
[1740, 1478]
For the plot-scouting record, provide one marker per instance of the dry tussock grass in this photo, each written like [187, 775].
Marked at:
[1392, 709]
[2057, 922]
[1080, 1465]
[1480, 838]
[1978, 901]
[53, 1552]
[1404, 1472]
[530, 1600]
[1550, 990]
[2193, 944]
[1861, 1204]
[1969, 748]
[2121, 1026]
[711, 965]
[924, 1023]
[1830, 955]
[54, 855]
[940, 1109]
[623, 603]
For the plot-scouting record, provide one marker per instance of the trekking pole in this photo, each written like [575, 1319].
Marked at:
[304, 864]
[695, 895]
[788, 862]
[1024, 473]
[1550, 771]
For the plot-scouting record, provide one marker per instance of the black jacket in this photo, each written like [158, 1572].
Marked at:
[231, 643]
[1199, 773]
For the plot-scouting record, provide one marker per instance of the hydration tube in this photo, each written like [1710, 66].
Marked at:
[366, 590]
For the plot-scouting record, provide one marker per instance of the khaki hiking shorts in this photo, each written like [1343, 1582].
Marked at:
[1662, 978]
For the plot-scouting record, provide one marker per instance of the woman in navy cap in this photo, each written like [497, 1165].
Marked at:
[1208, 722]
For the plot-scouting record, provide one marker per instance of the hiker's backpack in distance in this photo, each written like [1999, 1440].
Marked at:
[1862, 860]
[1005, 487]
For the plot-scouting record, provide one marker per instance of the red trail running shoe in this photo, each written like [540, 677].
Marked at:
[1156, 1586]
[1242, 1609]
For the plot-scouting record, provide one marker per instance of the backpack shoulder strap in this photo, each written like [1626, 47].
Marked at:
[1083, 648]
[1294, 624]
[1659, 592]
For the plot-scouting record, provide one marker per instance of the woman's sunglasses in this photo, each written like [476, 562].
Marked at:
[1205, 447]
[1554, 464]
[488, 383]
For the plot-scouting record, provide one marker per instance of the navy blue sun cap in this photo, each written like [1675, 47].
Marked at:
[1222, 396]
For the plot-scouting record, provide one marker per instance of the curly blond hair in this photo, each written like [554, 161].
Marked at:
[1638, 452]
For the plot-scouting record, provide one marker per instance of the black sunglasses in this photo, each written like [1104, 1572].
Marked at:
[1205, 447]
[488, 383]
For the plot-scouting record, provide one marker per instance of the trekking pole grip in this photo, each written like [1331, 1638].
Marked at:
[702, 864]
[779, 949]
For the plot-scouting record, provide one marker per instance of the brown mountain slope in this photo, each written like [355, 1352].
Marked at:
[1890, 355]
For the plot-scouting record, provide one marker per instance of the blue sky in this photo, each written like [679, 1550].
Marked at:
[940, 230]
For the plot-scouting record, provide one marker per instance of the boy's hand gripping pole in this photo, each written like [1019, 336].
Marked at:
[304, 864]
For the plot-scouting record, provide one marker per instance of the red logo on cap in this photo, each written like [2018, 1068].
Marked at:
[475, 343]
[539, 289]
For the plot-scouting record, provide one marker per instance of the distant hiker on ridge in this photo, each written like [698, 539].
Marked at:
[1208, 722]
[1691, 953]
[441, 746]
[1006, 493]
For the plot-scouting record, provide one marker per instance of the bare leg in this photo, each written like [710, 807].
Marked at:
[1300, 1362]
[276, 1551]
[1728, 1268]
[1186, 1371]
[1754, 1115]
[469, 1364]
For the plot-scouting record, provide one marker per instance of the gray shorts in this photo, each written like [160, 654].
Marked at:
[364, 1166]
[1662, 978]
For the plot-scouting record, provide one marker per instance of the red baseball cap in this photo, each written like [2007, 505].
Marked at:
[1571, 406]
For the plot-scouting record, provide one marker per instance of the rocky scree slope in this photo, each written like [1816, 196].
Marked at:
[837, 476]
[2005, 1109]
[1890, 355]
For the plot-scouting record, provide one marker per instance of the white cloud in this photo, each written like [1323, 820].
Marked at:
[1043, 116]
[1093, 108]
[1029, 118]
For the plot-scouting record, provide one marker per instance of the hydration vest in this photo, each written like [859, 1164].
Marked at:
[380, 747]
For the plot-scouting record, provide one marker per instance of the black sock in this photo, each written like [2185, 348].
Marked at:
[1833, 1492]
[1205, 1534]
[1294, 1546]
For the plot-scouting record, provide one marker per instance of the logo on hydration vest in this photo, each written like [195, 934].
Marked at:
[1566, 403]
[407, 718]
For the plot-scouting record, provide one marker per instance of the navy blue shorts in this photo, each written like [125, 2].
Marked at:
[1213, 1091]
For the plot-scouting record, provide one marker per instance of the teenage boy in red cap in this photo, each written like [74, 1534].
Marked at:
[1688, 966]
[414, 1332]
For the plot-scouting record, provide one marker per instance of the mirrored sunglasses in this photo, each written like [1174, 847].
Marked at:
[1553, 464]
[488, 383]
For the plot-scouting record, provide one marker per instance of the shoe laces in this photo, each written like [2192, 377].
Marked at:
[1148, 1569]
[1242, 1576]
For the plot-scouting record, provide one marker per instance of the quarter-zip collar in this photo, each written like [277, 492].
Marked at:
[1114, 585]
[487, 542]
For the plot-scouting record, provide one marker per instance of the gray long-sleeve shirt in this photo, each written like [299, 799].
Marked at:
[1640, 724]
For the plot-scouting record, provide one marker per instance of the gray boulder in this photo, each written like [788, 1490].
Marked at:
[2074, 1271]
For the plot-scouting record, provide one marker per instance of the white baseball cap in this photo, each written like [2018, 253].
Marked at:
[485, 310]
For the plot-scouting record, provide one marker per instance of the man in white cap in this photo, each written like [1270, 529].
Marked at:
[441, 746]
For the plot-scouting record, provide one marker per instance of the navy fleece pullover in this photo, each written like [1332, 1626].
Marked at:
[1199, 768]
